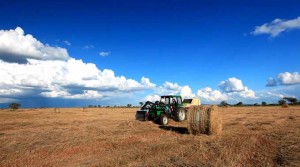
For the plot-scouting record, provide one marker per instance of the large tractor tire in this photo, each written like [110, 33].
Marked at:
[163, 120]
[180, 115]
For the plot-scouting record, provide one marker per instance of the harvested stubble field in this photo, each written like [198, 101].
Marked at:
[251, 136]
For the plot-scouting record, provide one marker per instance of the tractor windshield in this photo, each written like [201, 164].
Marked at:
[168, 100]
[179, 101]
[165, 100]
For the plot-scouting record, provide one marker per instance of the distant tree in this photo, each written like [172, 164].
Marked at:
[256, 104]
[90, 106]
[281, 102]
[224, 103]
[263, 103]
[141, 103]
[291, 100]
[99, 106]
[129, 105]
[239, 104]
[14, 106]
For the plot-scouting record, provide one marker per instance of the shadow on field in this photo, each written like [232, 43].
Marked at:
[180, 130]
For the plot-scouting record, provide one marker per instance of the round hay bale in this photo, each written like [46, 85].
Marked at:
[193, 120]
[215, 121]
[225, 106]
[204, 120]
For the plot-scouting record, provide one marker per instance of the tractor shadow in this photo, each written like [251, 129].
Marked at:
[180, 130]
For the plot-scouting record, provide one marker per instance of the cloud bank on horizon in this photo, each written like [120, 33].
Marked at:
[29, 68]
[42, 70]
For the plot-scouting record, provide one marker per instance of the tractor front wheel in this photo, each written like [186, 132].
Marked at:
[163, 120]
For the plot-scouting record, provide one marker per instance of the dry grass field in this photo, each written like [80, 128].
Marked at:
[251, 136]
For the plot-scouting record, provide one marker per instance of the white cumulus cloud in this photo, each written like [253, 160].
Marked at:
[232, 90]
[231, 85]
[146, 81]
[277, 26]
[172, 86]
[15, 46]
[152, 98]
[287, 78]
[247, 93]
[210, 95]
[168, 88]
[186, 92]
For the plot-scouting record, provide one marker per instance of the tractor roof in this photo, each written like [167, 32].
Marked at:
[170, 96]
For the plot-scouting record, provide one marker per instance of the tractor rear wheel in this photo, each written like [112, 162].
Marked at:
[180, 115]
[163, 120]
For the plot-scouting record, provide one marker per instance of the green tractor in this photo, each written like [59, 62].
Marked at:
[169, 107]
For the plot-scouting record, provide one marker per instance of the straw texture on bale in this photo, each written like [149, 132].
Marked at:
[204, 120]
[285, 106]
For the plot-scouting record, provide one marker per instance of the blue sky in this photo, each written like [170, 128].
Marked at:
[66, 53]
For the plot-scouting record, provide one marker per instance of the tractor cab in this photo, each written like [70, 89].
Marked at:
[171, 100]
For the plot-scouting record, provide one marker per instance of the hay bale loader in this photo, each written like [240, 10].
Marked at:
[187, 103]
[169, 107]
